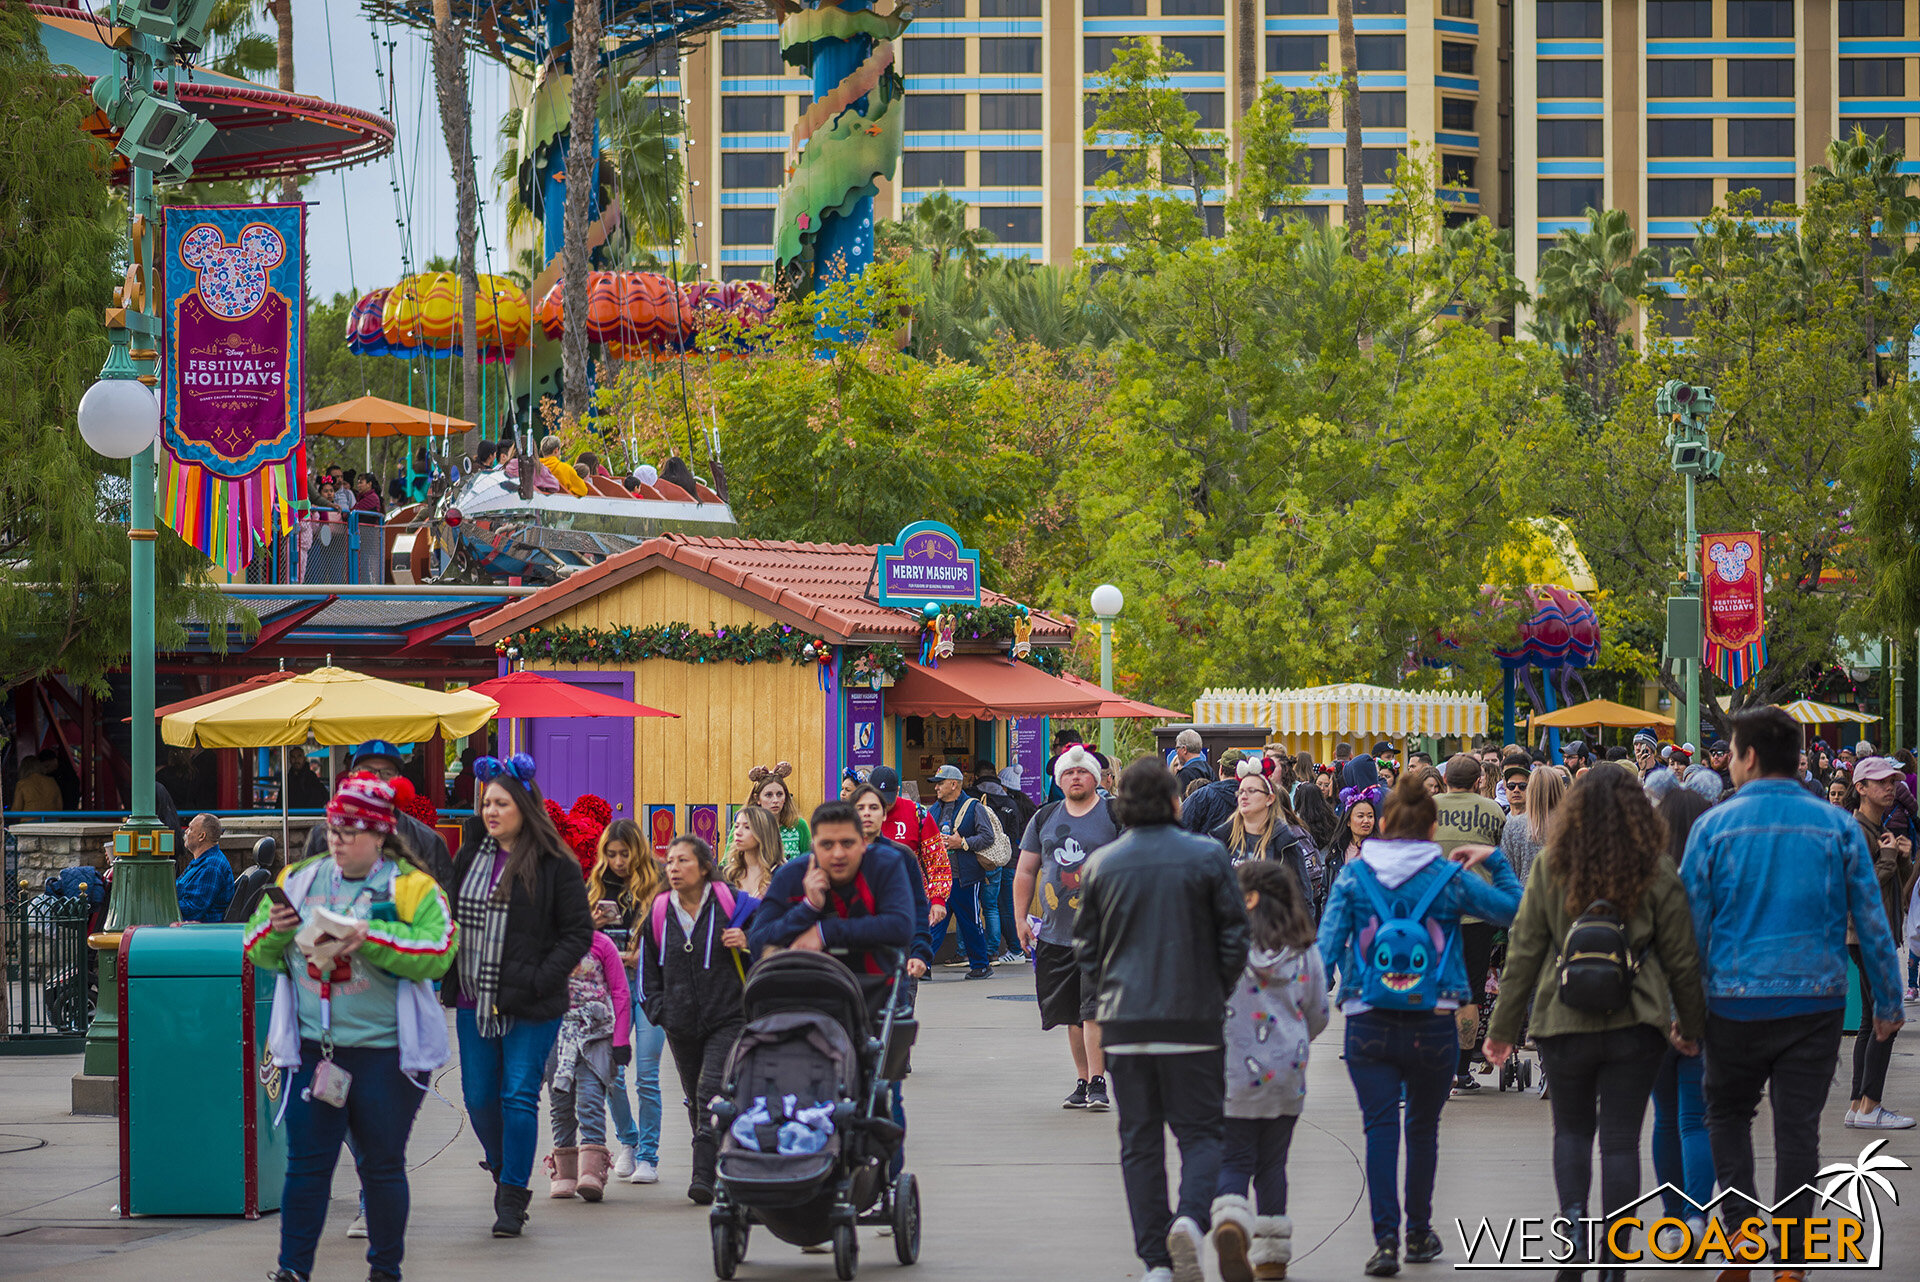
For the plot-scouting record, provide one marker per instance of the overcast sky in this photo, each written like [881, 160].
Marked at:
[357, 229]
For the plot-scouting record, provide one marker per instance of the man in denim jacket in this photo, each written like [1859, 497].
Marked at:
[1773, 875]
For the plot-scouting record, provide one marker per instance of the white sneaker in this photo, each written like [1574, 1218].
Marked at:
[623, 1163]
[359, 1226]
[1853, 1120]
[1157, 1275]
[1670, 1239]
[1882, 1119]
[1184, 1243]
[644, 1173]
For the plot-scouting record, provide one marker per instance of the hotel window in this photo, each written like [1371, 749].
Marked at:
[1891, 130]
[1768, 193]
[1381, 53]
[1383, 110]
[1668, 249]
[1456, 59]
[940, 9]
[756, 115]
[1570, 197]
[1456, 171]
[1010, 111]
[1680, 137]
[1008, 9]
[1568, 19]
[1203, 53]
[1679, 197]
[746, 226]
[1378, 163]
[1873, 77]
[1759, 77]
[926, 56]
[1679, 78]
[751, 169]
[1379, 6]
[1115, 8]
[741, 271]
[1294, 8]
[1759, 19]
[1457, 113]
[1010, 169]
[1015, 224]
[1019, 56]
[1564, 78]
[1760, 137]
[1309, 167]
[1676, 317]
[933, 169]
[1178, 167]
[1571, 138]
[1193, 8]
[1679, 19]
[1873, 17]
[750, 57]
[1094, 164]
[1099, 51]
[1296, 53]
[1211, 108]
[1456, 8]
[936, 113]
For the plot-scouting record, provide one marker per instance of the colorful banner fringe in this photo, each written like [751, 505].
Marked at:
[1735, 604]
[226, 519]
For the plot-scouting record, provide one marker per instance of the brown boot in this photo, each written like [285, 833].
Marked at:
[594, 1161]
[563, 1171]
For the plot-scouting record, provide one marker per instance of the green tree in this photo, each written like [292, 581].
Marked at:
[1590, 283]
[64, 592]
[936, 227]
[456, 127]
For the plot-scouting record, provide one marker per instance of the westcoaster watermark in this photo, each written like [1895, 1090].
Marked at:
[1841, 1232]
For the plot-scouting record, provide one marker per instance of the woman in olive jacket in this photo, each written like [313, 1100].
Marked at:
[1606, 843]
[524, 925]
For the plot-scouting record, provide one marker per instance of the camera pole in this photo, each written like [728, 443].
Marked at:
[1686, 408]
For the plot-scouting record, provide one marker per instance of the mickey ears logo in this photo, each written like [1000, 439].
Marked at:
[232, 279]
[1730, 562]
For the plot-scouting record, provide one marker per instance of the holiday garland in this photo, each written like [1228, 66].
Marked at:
[745, 643]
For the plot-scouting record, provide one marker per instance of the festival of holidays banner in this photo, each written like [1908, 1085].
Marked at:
[1735, 602]
[235, 345]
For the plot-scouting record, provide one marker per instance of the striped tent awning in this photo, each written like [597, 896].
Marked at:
[1346, 709]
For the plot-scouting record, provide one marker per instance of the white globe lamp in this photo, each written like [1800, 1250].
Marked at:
[119, 417]
[1107, 601]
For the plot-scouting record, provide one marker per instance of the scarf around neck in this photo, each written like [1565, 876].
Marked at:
[483, 936]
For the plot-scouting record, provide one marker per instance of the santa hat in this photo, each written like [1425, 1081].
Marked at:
[1077, 757]
[366, 801]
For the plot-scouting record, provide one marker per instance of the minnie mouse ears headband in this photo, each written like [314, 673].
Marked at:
[519, 765]
[760, 774]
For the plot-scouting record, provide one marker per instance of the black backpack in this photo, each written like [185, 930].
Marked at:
[1597, 965]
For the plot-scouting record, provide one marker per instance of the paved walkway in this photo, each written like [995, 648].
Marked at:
[1015, 1187]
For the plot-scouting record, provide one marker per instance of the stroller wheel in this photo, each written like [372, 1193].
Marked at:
[726, 1254]
[846, 1251]
[906, 1218]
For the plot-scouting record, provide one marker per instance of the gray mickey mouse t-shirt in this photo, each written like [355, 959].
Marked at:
[1064, 842]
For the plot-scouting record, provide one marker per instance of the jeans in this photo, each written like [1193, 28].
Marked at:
[579, 1112]
[1792, 1060]
[1600, 1086]
[1186, 1093]
[990, 891]
[702, 1062]
[379, 1113]
[500, 1079]
[961, 911]
[1870, 1056]
[1913, 969]
[1391, 1057]
[639, 1131]
[1682, 1153]
[1256, 1150]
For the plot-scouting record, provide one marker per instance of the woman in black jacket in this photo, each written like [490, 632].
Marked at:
[524, 925]
[692, 971]
[1264, 826]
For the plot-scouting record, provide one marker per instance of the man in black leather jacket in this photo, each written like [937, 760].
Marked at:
[1161, 940]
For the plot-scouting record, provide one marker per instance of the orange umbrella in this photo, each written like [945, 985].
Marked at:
[372, 416]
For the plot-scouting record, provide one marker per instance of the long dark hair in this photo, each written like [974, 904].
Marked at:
[538, 839]
[1317, 816]
[1606, 842]
[1678, 809]
[1281, 919]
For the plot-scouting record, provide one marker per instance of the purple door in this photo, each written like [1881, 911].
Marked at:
[580, 755]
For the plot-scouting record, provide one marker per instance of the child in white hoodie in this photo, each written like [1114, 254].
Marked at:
[1276, 1008]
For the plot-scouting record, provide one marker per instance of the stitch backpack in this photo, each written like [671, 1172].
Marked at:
[1402, 951]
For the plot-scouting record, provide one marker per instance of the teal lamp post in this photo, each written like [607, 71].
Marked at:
[1107, 603]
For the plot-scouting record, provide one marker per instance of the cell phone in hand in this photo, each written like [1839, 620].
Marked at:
[608, 906]
[278, 896]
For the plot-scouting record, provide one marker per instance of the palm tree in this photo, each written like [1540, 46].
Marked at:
[1246, 69]
[1865, 161]
[283, 66]
[637, 128]
[233, 46]
[938, 226]
[1350, 117]
[583, 111]
[456, 124]
[1589, 283]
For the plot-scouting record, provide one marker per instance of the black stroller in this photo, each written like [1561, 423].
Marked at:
[808, 1037]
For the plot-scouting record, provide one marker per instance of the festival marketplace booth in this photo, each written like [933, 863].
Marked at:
[1314, 719]
[821, 655]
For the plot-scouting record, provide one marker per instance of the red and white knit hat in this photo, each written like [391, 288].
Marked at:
[364, 801]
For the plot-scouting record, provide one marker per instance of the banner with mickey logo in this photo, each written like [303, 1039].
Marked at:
[233, 391]
[1735, 601]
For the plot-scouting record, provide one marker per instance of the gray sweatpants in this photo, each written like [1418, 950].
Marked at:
[581, 1110]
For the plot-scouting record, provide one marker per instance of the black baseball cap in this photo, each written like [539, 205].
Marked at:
[1719, 745]
[887, 780]
[1383, 748]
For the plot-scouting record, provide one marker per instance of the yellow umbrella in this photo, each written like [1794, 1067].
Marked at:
[1809, 713]
[332, 704]
[1599, 712]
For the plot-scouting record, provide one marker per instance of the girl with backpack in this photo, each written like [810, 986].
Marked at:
[1603, 940]
[692, 971]
[1392, 927]
[621, 888]
[1278, 1006]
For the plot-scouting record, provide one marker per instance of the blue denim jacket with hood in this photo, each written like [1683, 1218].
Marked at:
[1772, 875]
[1413, 864]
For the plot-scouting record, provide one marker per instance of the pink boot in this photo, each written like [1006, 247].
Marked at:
[594, 1161]
[563, 1167]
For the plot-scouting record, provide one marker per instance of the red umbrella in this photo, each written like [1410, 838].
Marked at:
[530, 694]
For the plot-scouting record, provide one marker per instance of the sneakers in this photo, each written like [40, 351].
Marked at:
[288, 1275]
[1465, 1082]
[1011, 958]
[1385, 1260]
[359, 1226]
[1913, 994]
[1670, 1239]
[1423, 1247]
[644, 1173]
[1097, 1101]
[1156, 1274]
[1879, 1119]
[980, 972]
[1079, 1097]
[623, 1162]
[1184, 1241]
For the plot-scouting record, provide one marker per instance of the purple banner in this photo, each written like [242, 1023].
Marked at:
[235, 347]
[1027, 748]
[704, 823]
[864, 748]
[928, 562]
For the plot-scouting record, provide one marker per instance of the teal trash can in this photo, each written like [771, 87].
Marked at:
[198, 1091]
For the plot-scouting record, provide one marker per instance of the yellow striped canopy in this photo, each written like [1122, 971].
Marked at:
[1809, 713]
[1350, 709]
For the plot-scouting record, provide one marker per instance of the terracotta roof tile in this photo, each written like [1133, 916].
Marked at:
[821, 585]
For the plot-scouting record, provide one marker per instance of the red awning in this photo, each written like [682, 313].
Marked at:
[1116, 705]
[986, 689]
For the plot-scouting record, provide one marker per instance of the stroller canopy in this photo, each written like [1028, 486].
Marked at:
[795, 980]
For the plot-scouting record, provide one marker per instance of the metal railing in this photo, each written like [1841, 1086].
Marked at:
[52, 976]
[326, 547]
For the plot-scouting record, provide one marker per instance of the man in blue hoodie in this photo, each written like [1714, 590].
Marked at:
[1773, 875]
